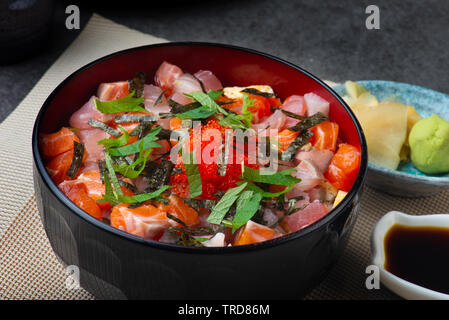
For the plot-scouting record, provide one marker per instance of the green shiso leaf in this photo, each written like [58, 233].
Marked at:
[233, 121]
[121, 141]
[109, 194]
[193, 175]
[206, 101]
[143, 196]
[126, 104]
[198, 113]
[247, 206]
[215, 94]
[265, 194]
[128, 170]
[222, 207]
[113, 192]
[277, 178]
[149, 141]
[247, 115]
[116, 190]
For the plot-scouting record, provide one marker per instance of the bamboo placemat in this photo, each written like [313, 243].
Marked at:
[28, 267]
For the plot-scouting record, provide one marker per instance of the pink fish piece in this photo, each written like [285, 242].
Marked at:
[295, 104]
[316, 104]
[209, 80]
[167, 74]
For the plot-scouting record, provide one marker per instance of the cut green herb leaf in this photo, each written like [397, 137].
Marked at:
[247, 205]
[277, 178]
[198, 113]
[222, 207]
[149, 141]
[193, 174]
[126, 104]
[120, 141]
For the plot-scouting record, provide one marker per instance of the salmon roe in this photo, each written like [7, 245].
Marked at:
[210, 179]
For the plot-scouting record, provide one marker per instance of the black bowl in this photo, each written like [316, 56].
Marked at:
[115, 264]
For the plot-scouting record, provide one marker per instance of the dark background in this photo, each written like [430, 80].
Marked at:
[327, 38]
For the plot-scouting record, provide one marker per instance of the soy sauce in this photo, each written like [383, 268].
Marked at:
[419, 255]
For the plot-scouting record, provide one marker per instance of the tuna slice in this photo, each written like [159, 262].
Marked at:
[316, 104]
[274, 122]
[295, 104]
[209, 80]
[320, 158]
[167, 74]
[180, 98]
[302, 218]
[151, 94]
[80, 118]
[113, 90]
[186, 84]
[296, 193]
[270, 217]
[309, 174]
[90, 137]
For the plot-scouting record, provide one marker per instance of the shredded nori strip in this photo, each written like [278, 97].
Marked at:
[77, 160]
[142, 129]
[299, 141]
[122, 159]
[288, 113]
[197, 204]
[172, 217]
[189, 241]
[135, 205]
[221, 103]
[194, 231]
[100, 125]
[181, 108]
[165, 134]
[159, 99]
[309, 122]
[102, 168]
[157, 174]
[258, 92]
[165, 115]
[187, 234]
[127, 118]
[137, 83]
[128, 186]
[203, 88]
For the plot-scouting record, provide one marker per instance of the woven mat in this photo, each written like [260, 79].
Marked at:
[28, 267]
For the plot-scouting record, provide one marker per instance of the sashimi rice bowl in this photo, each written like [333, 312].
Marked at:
[201, 154]
[185, 160]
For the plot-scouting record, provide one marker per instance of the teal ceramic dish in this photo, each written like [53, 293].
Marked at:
[406, 181]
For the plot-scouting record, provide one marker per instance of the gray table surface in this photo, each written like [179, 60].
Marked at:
[327, 38]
